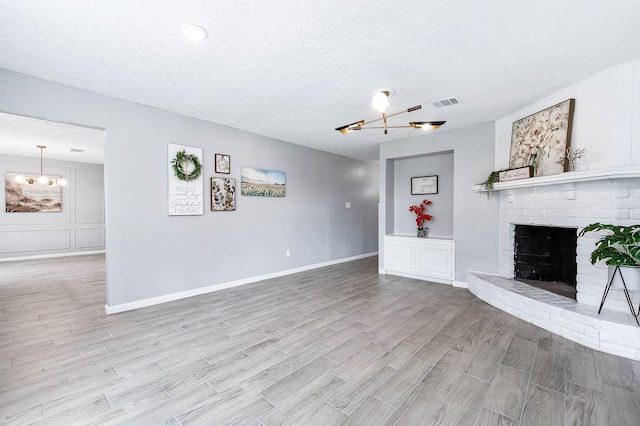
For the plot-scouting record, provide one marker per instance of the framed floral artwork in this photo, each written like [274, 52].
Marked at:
[223, 163]
[541, 139]
[223, 194]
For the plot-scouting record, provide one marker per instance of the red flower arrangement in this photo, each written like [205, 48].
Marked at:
[421, 216]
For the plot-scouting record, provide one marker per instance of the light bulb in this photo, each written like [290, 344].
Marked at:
[194, 32]
[62, 182]
[380, 102]
[43, 180]
[20, 179]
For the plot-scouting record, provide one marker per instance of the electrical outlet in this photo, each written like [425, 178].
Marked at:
[347, 205]
[288, 252]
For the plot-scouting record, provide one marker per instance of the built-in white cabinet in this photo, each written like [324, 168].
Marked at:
[424, 258]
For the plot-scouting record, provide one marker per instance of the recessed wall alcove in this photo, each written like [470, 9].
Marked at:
[472, 220]
[437, 164]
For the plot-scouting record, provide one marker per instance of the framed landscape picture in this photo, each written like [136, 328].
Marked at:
[262, 183]
[34, 198]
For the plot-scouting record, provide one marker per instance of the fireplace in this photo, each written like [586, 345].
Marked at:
[545, 257]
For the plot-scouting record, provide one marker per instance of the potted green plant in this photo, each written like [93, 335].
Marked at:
[487, 184]
[620, 246]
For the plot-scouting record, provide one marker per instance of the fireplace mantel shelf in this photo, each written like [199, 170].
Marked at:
[567, 177]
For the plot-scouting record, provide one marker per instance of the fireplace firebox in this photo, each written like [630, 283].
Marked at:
[545, 257]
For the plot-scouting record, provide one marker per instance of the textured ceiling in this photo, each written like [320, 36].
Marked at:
[296, 69]
[21, 136]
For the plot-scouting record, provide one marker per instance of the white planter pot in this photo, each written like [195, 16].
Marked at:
[631, 276]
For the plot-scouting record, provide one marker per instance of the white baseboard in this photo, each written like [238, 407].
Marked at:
[114, 309]
[46, 256]
[460, 284]
[420, 277]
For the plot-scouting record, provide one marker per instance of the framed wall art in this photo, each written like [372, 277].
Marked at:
[223, 194]
[262, 183]
[186, 184]
[223, 163]
[541, 139]
[32, 198]
[424, 185]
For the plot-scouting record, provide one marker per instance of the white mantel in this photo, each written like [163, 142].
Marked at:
[567, 177]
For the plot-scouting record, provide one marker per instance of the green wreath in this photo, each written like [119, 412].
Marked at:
[181, 166]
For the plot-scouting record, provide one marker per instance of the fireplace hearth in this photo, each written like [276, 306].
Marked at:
[545, 257]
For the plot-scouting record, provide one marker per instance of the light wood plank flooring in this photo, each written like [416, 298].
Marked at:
[340, 345]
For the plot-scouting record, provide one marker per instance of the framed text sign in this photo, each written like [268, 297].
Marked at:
[424, 185]
[186, 184]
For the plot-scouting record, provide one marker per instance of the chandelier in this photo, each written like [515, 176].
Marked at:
[380, 103]
[42, 179]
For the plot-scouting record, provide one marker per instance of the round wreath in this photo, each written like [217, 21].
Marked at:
[181, 166]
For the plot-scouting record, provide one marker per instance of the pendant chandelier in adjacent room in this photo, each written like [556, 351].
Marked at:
[42, 179]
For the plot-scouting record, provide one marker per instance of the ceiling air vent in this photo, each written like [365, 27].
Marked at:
[76, 150]
[446, 102]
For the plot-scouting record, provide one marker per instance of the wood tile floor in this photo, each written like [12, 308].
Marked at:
[340, 345]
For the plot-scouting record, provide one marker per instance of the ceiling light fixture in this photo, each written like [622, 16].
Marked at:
[194, 32]
[42, 179]
[426, 125]
[380, 103]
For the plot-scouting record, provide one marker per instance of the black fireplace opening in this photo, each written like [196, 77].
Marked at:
[545, 257]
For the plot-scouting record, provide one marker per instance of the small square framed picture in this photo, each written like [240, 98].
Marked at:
[424, 185]
[223, 163]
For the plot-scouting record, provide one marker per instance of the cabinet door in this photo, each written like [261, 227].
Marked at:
[434, 260]
[399, 256]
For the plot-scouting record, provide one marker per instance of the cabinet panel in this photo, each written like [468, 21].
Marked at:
[399, 256]
[427, 258]
[434, 260]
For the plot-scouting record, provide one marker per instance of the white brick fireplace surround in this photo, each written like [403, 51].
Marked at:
[571, 200]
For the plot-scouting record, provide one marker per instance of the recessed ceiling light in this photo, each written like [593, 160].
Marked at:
[194, 32]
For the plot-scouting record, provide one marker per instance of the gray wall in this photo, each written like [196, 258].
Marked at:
[475, 218]
[442, 207]
[78, 227]
[150, 253]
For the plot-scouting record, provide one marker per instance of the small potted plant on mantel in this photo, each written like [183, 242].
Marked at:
[620, 246]
[421, 217]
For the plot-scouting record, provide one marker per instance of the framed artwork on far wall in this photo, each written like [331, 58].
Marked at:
[31, 198]
[223, 194]
[424, 185]
[223, 163]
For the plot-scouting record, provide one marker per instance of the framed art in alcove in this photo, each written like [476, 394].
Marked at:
[424, 185]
